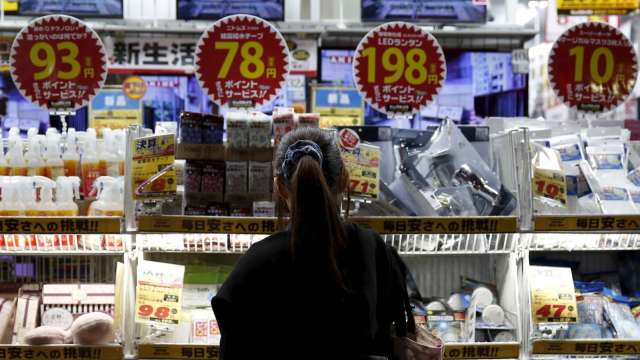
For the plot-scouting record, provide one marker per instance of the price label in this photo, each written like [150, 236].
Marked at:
[399, 68]
[553, 298]
[58, 63]
[242, 61]
[159, 293]
[593, 67]
[362, 162]
[134, 87]
[152, 171]
[550, 184]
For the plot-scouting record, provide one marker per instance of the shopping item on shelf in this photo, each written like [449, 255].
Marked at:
[94, 328]
[79, 299]
[7, 313]
[28, 306]
[46, 335]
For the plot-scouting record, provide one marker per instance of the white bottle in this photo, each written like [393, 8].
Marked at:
[90, 165]
[71, 157]
[15, 157]
[29, 194]
[67, 189]
[110, 154]
[33, 159]
[10, 205]
[46, 206]
[110, 200]
[55, 164]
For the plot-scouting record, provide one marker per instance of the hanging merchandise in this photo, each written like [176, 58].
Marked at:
[242, 61]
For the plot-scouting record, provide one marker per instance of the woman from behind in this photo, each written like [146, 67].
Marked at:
[321, 289]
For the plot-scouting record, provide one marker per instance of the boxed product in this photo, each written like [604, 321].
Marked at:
[283, 122]
[236, 175]
[260, 177]
[212, 129]
[212, 177]
[264, 209]
[308, 120]
[237, 130]
[28, 308]
[192, 177]
[7, 310]
[190, 128]
[260, 130]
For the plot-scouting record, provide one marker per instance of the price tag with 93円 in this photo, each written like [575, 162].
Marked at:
[58, 63]
[242, 61]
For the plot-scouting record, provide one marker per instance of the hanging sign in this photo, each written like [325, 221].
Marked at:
[153, 173]
[242, 61]
[399, 68]
[362, 162]
[112, 109]
[553, 297]
[58, 63]
[593, 67]
[159, 293]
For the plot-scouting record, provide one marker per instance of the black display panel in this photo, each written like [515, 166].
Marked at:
[272, 10]
[435, 11]
[78, 8]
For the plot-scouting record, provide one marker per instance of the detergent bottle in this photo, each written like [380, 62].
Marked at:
[45, 206]
[110, 200]
[111, 152]
[67, 189]
[10, 204]
[55, 164]
[33, 159]
[15, 157]
[5, 169]
[90, 164]
[71, 157]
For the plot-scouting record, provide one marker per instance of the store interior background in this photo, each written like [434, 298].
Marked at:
[481, 80]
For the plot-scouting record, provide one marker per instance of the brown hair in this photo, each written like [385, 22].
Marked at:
[317, 233]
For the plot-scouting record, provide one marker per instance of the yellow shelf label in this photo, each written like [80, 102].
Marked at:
[587, 223]
[203, 224]
[60, 225]
[61, 352]
[152, 351]
[481, 351]
[586, 347]
[439, 225]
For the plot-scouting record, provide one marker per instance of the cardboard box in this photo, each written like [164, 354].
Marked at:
[26, 319]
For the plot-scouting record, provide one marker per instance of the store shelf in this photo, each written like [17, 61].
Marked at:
[177, 351]
[63, 352]
[589, 223]
[482, 351]
[60, 225]
[584, 242]
[452, 243]
[606, 347]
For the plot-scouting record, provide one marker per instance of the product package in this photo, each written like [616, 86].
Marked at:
[212, 129]
[264, 209]
[78, 299]
[28, 308]
[260, 178]
[260, 127]
[7, 312]
[308, 120]
[237, 130]
[192, 176]
[549, 181]
[621, 319]
[236, 175]
[283, 122]
[190, 132]
[212, 178]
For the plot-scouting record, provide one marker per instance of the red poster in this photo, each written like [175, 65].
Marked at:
[593, 67]
[58, 63]
[399, 68]
[242, 61]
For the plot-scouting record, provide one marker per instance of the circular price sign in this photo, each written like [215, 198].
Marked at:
[593, 67]
[242, 61]
[399, 68]
[134, 87]
[58, 63]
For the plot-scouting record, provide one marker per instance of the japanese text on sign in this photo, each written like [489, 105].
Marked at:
[586, 347]
[553, 298]
[242, 61]
[153, 173]
[61, 352]
[435, 225]
[149, 351]
[399, 68]
[587, 223]
[484, 351]
[159, 293]
[222, 225]
[57, 62]
[596, 7]
[52, 225]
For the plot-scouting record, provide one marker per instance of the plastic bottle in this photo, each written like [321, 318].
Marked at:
[110, 200]
[67, 188]
[46, 206]
[102, 157]
[15, 158]
[55, 164]
[90, 165]
[110, 153]
[10, 206]
[33, 160]
[5, 169]
[71, 157]
[29, 195]
[121, 144]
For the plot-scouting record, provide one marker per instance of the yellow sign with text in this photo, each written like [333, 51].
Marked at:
[596, 7]
[211, 225]
[481, 351]
[363, 165]
[177, 351]
[159, 293]
[587, 347]
[439, 225]
[60, 225]
[153, 173]
[587, 223]
[553, 297]
[550, 184]
[68, 352]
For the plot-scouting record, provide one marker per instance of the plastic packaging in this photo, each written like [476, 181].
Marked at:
[71, 157]
[33, 159]
[15, 157]
[237, 130]
[53, 160]
[90, 165]
[45, 206]
[621, 319]
[283, 122]
[260, 126]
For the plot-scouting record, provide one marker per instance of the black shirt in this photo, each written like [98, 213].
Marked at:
[271, 308]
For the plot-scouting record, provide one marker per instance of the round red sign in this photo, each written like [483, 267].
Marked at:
[593, 67]
[349, 139]
[242, 61]
[58, 63]
[399, 68]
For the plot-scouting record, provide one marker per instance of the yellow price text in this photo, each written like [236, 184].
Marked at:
[43, 55]
[598, 77]
[411, 65]
[252, 65]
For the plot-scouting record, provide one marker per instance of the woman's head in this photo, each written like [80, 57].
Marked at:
[310, 177]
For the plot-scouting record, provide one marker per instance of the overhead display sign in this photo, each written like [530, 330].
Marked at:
[596, 7]
[112, 109]
[593, 67]
[58, 63]
[242, 61]
[399, 68]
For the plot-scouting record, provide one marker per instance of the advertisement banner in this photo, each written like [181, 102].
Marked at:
[153, 173]
[159, 293]
[596, 7]
[111, 108]
[338, 106]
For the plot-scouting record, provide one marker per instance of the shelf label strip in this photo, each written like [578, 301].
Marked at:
[481, 351]
[587, 223]
[59, 225]
[586, 347]
[61, 352]
[152, 351]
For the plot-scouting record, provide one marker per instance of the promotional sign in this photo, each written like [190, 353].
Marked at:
[593, 67]
[159, 293]
[242, 61]
[153, 174]
[553, 297]
[134, 51]
[596, 7]
[134, 87]
[337, 106]
[399, 68]
[111, 108]
[362, 162]
[58, 63]
[304, 56]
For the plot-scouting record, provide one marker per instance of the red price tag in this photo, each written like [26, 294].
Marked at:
[399, 68]
[161, 312]
[242, 61]
[58, 63]
[593, 67]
